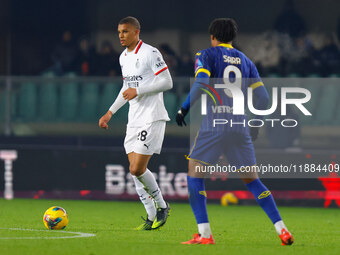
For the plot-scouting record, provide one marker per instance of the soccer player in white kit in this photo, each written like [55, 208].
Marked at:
[145, 78]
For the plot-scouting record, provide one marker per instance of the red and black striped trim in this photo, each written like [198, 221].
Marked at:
[161, 70]
[138, 46]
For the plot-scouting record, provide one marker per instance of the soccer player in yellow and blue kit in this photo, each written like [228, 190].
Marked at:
[224, 62]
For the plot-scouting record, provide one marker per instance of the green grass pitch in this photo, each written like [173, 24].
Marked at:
[236, 229]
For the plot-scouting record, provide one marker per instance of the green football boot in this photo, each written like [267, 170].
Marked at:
[146, 225]
[161, 217]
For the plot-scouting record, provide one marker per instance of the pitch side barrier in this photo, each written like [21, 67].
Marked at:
[102, 173]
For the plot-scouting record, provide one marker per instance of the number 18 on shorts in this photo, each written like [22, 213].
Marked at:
[145, 140]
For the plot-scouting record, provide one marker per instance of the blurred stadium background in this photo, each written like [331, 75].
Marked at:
[59, 74]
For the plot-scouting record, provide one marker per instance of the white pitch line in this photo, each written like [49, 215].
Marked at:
[78, 234]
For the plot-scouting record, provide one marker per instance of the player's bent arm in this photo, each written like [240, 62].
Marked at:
[262, 99]
[161, 83]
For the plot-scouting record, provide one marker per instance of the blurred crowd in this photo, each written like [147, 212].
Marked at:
[286, 50]
[279, 54]
[83, 59]
[283, 55]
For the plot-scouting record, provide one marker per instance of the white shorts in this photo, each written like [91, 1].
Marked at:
[145, 140]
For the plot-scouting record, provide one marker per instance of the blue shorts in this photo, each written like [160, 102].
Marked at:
[237, 147]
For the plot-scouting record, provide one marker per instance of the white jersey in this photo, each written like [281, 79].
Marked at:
[139, 69]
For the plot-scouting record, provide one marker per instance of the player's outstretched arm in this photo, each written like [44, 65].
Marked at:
[105, 119]
[180, 117]
[118, 103]
[194, 94]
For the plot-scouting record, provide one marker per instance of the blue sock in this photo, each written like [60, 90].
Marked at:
[198, 199]
[265, 199]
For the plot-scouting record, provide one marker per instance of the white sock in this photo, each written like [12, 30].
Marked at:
[152, 188]
[204, 230]
[146, 199]
[279, 226]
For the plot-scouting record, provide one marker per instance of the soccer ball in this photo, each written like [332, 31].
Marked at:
[55, 217]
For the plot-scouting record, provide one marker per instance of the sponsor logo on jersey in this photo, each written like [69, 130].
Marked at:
[133, 78]
[160, 64]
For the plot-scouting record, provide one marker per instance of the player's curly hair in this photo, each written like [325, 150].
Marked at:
[130, 20]
[223, 29]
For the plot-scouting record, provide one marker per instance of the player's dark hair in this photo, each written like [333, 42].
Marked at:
[223, 29]
[130, 20]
